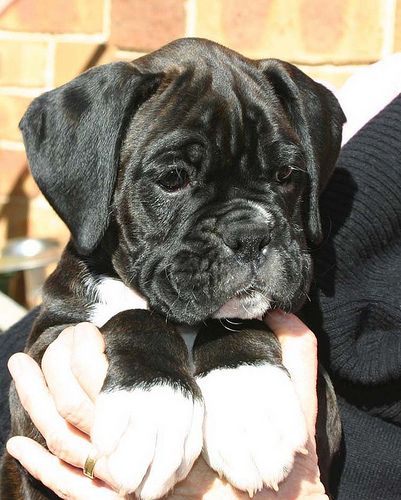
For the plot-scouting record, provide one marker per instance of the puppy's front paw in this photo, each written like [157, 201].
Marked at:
[150, 437]
[253, 425]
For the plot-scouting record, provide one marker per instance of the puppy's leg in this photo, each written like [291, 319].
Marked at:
[149, 414]
[253, 423]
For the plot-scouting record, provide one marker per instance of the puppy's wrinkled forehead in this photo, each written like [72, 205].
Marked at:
[226, 106]
[219, 79]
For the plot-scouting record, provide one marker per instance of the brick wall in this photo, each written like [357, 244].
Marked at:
[44, 43]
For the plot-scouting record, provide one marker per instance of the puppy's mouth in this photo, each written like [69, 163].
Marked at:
[247, 303]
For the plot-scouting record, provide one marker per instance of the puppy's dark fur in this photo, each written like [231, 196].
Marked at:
[192, 175]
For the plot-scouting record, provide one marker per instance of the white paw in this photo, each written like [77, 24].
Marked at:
[150, 438]
[253, 425]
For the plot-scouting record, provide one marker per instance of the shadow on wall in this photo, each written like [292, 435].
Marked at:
[15, 213]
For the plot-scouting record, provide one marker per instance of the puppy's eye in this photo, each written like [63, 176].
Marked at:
[284, 175]
[174, 180]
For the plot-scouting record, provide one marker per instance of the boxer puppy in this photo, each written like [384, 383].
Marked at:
[191, 175]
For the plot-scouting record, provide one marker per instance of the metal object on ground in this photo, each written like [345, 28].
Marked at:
[32, 256]
[20, 254]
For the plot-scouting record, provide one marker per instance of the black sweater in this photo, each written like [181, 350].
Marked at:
[356, 306]
[355, 309]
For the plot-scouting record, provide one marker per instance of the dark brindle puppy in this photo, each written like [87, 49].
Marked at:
[191, 175]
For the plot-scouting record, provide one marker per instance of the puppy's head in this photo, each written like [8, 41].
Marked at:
[205, 167]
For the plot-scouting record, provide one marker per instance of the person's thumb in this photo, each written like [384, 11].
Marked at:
[299, 348]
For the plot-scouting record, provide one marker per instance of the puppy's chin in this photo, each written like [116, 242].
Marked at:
[248, 307]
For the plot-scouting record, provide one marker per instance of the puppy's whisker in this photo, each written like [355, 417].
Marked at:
[233, 322]
[225, 326]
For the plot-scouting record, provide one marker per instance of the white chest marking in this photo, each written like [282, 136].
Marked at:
[112, 297]
[188, 333]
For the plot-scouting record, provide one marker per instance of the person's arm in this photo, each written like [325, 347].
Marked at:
[60, 403]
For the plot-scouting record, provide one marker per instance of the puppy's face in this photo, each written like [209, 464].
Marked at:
[213, 195]
[209, 203]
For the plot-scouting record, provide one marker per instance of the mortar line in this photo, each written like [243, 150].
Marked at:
[190, 22]
[388, 27]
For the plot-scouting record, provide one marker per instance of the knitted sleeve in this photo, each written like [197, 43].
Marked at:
[356, 303]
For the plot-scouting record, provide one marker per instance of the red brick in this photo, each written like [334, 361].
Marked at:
[344, 30]
[112, 54]
[74, 58]
[322, 28]
[304, 31]
[43, 222]
[54, 16]
[21, 216]
[23, 64]
[145, 25]
[13, 218]
[237, 18]
[11, 110]
[16, 179]
[108, 55]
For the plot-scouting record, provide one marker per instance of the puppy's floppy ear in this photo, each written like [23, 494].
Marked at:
[72, 136]
[317, 117]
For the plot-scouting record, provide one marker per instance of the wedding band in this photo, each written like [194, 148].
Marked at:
[90, 463]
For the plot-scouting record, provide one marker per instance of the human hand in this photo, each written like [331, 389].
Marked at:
[69, 395]
[59, 401]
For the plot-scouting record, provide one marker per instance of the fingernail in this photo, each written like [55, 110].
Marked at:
[66, 333]
[276, 316]
[14, 365]
[13, 447]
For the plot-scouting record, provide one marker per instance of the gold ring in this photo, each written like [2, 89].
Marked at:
[90, 463]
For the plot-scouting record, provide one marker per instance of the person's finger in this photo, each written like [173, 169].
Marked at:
[299, 348]
[88, 361]
[63, 440]
[66, 481]
[70, 399]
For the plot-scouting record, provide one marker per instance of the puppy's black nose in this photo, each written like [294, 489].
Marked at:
[248, 243]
